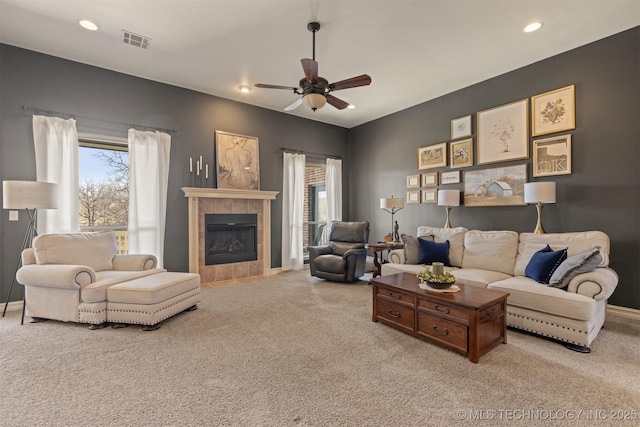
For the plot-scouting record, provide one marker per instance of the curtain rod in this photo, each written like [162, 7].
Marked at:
[293, 150]
[73, 116]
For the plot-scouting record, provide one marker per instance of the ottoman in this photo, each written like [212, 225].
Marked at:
[150, 300]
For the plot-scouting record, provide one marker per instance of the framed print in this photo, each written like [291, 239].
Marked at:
[461, 127]
[451, 177]
[553, 111]
[413, 181]
[430, 179]
[502, 186]
[237, 162]
[503, 133]
[430, 196]
[433, 156]
[461, 153]
[552, 156]
[413, 197]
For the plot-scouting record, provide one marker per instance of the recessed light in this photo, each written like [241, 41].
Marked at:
[351, 106]
[534, 26]
[244, 89]
[85, 23]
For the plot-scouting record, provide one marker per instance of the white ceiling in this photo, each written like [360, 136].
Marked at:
[414, 51]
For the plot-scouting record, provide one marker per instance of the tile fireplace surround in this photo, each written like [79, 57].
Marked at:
[213, 200]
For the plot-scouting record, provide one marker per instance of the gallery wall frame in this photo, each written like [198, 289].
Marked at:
[501, 186]
[413, 197]
[432, 156]
[430, 179]
[503, 133]
[553, 111]
[237, 161]
[413, 181]
[461, 127]
[552, 156]
[430, 195]
[450, 177]
[461, 153]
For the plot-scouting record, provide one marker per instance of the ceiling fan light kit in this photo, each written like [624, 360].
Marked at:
[315, 90]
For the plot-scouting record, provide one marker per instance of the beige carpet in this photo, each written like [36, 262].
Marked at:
[295, 350]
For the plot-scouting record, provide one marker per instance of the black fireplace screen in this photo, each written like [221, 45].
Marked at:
[230, 238]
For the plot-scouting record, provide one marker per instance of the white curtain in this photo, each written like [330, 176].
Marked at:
[292, 211]
[334, 190]
[148, 178]
[56, 147]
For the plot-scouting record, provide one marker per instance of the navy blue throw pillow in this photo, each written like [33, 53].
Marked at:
[431, 252]
[543, 263]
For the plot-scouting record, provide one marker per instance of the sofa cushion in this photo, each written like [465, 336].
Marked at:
[95, 250]
[583, 262]
[543, 263]
[490, 250]
[431, 252]
[455, 236]
[412, 248]
[576, 242]
[527, 293]
[478, 276]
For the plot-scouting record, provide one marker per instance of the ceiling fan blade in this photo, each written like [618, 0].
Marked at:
[276, 87]
[310, 68]
[337, 102]
[295, 104]
[363, 80]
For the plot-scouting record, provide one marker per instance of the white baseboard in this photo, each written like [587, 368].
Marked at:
[12, 306]
[630, 313]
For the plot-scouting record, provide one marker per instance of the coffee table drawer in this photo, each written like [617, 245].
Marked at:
[397, 314]
[440, 308]
[443, 330]
[393, 294]
[494, 310]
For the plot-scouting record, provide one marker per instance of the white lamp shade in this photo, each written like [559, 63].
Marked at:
[540, 192]
[391, 203]
[29, 195]
[314, 100]
[448, 197]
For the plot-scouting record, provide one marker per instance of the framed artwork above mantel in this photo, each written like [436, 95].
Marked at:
[237, 161]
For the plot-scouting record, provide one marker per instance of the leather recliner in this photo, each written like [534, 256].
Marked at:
[344, 258]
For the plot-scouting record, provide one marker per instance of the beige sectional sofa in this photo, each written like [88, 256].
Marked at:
[498, 259]
[80, 277]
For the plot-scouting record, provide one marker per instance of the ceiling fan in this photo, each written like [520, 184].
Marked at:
[315, 90]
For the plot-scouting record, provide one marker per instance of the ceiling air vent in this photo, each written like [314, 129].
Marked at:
[135, 40]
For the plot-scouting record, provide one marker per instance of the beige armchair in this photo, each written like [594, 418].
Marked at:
[66, 276]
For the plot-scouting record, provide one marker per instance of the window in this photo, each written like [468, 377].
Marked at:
[315, 206]
[103, 172]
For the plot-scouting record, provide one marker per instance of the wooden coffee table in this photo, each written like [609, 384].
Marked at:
[471, 321]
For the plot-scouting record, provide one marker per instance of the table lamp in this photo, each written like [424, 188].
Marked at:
[539, 193]
[392, 206]
[448, 198]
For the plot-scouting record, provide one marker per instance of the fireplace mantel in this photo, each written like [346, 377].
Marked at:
[237, 202]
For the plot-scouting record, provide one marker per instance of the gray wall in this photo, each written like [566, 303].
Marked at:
[602, 193]
[36, 80]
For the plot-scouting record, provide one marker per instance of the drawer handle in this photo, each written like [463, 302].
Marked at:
[443, 332]
[396, 315]
[394, 296]
[438, 308]
[489, 311]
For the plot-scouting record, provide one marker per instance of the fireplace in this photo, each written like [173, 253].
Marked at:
[230, 238]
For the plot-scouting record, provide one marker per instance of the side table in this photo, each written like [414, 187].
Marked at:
[381, 247]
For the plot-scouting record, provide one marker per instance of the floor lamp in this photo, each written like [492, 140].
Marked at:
[27, 195]
[392, 206]
[539, 193]
[448, 198]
